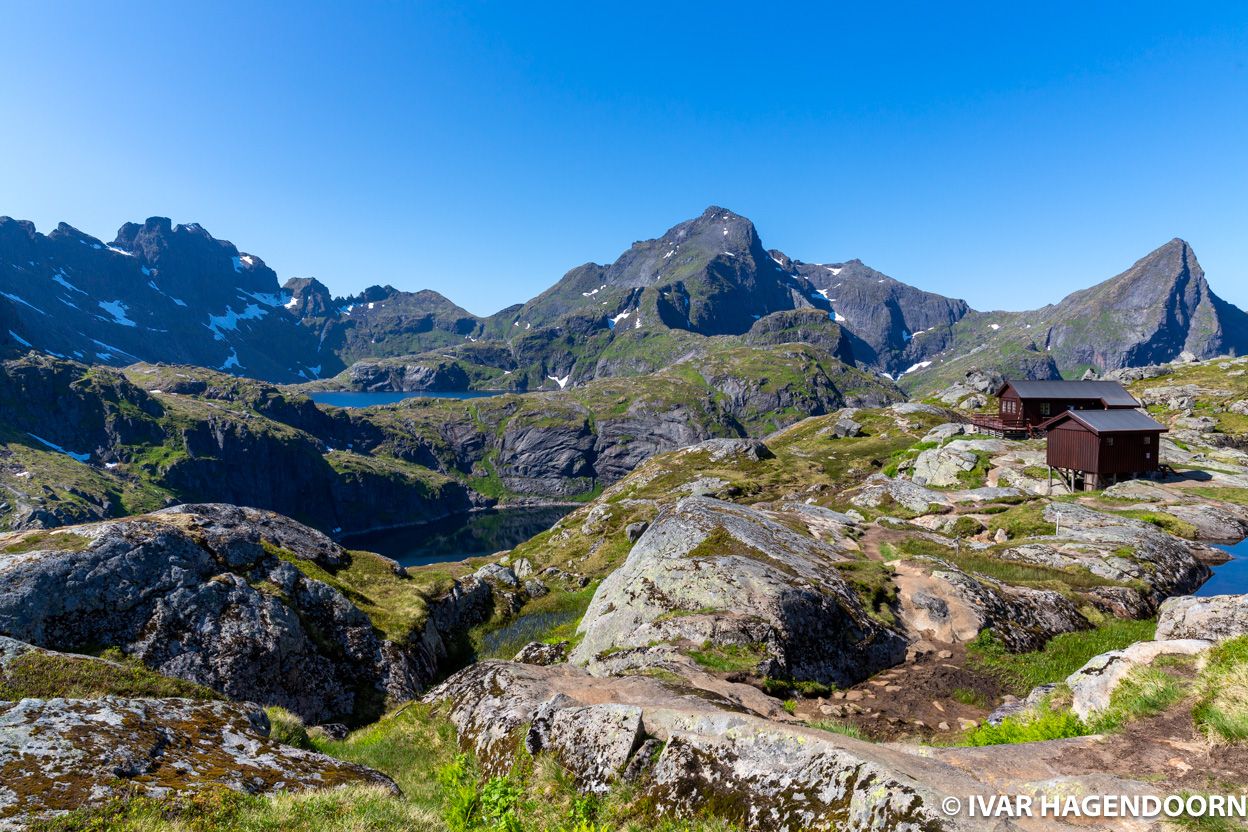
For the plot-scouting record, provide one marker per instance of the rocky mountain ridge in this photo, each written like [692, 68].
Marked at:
[663, 299]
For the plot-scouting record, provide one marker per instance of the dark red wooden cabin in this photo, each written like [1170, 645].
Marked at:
[1095, 448]
[1025, 405]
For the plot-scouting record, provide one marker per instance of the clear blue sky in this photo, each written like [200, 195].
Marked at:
[1004, 155]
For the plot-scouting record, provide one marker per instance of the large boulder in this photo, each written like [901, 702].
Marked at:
[1215, 618]
[63, 754]
[710, 571]
[943, 467]
[941, 602]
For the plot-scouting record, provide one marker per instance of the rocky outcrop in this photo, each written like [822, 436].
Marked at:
[216, 595]
[58, 755]
[1167, 564]
[884, 492]
[943, 467]
[941, 602]
[1215, 618]
[708, 572]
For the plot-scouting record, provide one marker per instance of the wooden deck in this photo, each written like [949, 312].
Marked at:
[1006, 429]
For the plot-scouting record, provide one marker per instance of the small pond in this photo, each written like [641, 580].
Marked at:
[463, 536]
[353, 398]
[1231, 578]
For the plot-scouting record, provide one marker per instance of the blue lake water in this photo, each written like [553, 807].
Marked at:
[1231, 578]
[464, 536]
[353, 398]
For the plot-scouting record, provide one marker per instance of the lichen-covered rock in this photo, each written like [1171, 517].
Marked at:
[717, 756]
[940, 433]
[1215, 617]
[535, 652]
[596, 742]
[710, 571]
[57, 755]
[1165, 563]
[211, 594]
[880, 491]
[942, 466]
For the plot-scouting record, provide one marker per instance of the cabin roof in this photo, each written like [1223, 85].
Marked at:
[1111, 393]
[1109, 421]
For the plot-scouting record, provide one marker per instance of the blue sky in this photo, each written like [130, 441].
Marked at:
[1003, 155]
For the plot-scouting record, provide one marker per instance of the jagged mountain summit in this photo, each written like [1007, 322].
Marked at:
[1151, 313]
[893, 325]
[710, 275]
[1158, 309]
[175, 294]
[157, 292]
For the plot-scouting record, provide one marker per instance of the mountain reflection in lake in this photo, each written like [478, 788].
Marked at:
[459, 537]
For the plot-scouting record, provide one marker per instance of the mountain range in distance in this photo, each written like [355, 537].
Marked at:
[174, 294]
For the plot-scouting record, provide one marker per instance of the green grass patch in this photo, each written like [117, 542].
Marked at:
[1046, 724]
[397, 606]
[1222, 708]
[38, 675]
[41, 541]
[1146, 691]
[729, 658]
[1239, 496]
[845, 729]
[1162, 520]
[1023, 521]
[1062, 656]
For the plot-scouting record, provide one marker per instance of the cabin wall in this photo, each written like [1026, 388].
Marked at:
[1128, 453]
[1074, 447]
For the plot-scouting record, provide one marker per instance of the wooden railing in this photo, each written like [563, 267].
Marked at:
[999, 424]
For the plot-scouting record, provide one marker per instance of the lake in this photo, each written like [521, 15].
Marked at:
[463, 536]
[353, 398]
[1231, 578]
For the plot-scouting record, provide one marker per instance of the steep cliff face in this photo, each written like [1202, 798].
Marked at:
[118, 446]
[894, 326]
[381, 321]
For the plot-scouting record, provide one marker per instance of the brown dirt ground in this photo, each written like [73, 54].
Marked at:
[913, 700]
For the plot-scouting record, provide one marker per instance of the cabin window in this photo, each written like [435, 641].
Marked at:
[1148, 456]
[1046, 409]
[1109, 440]
[1148, 440]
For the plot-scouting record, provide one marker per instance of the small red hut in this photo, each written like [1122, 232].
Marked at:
[1092, 449]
